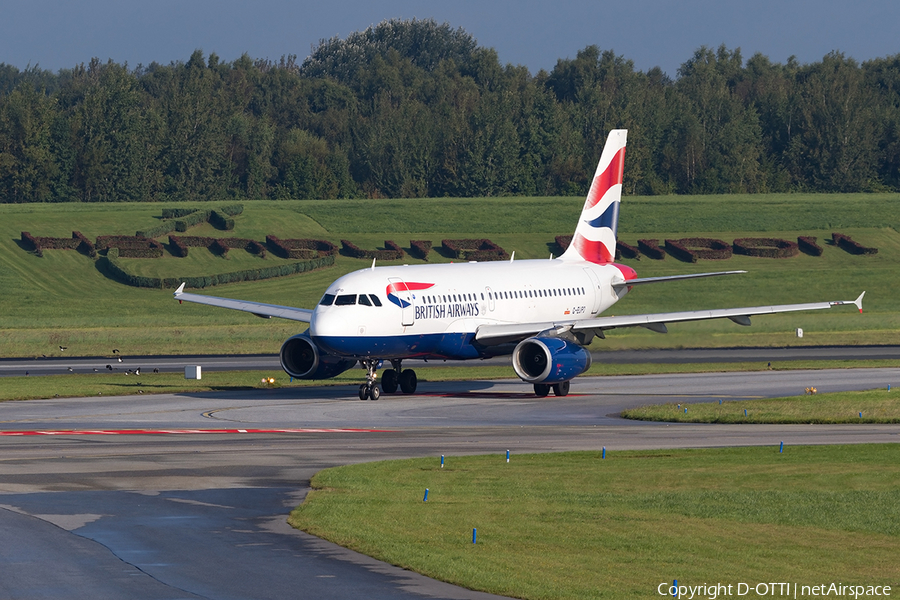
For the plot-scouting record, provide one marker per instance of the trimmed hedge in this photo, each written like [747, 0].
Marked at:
[480, 250]
[251, 246]
[51, 243]
[300, 248]
[181, 249]
[131, 247]
[232, 210]
[691, 249]
[189, 217]
[219, 247]
[651, 249]
[563, 241]
[420, 248]
[391, 252]
[176, 213]
[808, 245]
[85, 245]
[221, 221]
[76, 242]
[192, 219]
[215, 245]
[766, 247]
[161, 229]
[627, 250]
[32, 243]
[121, 274]
[851, 246]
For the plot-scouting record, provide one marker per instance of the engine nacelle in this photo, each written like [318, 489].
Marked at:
[301, 358]
[549, 360]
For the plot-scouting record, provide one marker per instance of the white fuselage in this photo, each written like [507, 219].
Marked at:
[435, 310]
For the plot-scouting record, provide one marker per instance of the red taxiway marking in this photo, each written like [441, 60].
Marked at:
[184, 431]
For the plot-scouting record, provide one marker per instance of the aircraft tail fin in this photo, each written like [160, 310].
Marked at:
[595, 236]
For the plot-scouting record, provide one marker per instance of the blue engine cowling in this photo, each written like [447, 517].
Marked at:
[301, 358]
[549, 360]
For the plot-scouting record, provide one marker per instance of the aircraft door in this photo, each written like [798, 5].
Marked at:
[403, 297]
[489, 298]
[595, 290]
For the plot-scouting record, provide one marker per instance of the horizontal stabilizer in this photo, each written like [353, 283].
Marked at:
[642, 280]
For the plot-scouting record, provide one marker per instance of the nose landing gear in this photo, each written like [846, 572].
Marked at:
[370, 388]
[391, 379]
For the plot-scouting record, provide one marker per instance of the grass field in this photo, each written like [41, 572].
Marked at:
[872, 406]
[64, 299]
[576, 525]
[80, 385]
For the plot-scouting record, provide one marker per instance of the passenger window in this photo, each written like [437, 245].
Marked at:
[364, 300]
[375, 299]
[345, 300]
[327, 300]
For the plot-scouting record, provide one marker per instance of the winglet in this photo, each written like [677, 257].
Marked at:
[857, 302]
[180, 289]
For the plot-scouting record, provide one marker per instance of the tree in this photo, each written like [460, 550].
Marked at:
[26, 159]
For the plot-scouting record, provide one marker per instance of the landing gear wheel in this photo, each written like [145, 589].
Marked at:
[561, 389]
[408, 381]
[374, 392]
[389, 381]
[363, 391]
[541, 390]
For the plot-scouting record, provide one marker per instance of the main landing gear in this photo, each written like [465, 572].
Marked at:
[541, 390]
[391, 379]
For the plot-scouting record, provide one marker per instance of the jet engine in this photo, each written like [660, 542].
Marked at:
[549, 360]
[301, 358]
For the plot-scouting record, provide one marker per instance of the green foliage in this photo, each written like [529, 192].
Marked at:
[153, 232]
[120, 272]
[411, 109]
[220, 221]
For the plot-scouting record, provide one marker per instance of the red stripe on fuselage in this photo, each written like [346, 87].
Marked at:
[408, 286]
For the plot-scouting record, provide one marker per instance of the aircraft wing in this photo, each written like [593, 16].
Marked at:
[266, 311]
[490, 335]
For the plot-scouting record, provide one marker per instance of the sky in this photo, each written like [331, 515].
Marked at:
[60, 34]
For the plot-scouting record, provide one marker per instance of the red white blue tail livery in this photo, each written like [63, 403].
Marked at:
[595, 236]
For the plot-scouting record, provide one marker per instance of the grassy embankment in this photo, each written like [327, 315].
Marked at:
[64, 298]
[871, 406]
[574, 525]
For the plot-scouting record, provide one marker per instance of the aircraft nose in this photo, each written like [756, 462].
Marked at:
[325, 321]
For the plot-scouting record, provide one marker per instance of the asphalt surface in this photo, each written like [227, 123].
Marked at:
[57, 365]
[90, 509]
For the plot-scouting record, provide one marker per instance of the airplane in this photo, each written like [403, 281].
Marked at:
[541, 312]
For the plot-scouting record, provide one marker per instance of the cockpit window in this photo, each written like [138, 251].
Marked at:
[327, 300]
[345, 300]
[375, 299]
[364, 300]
